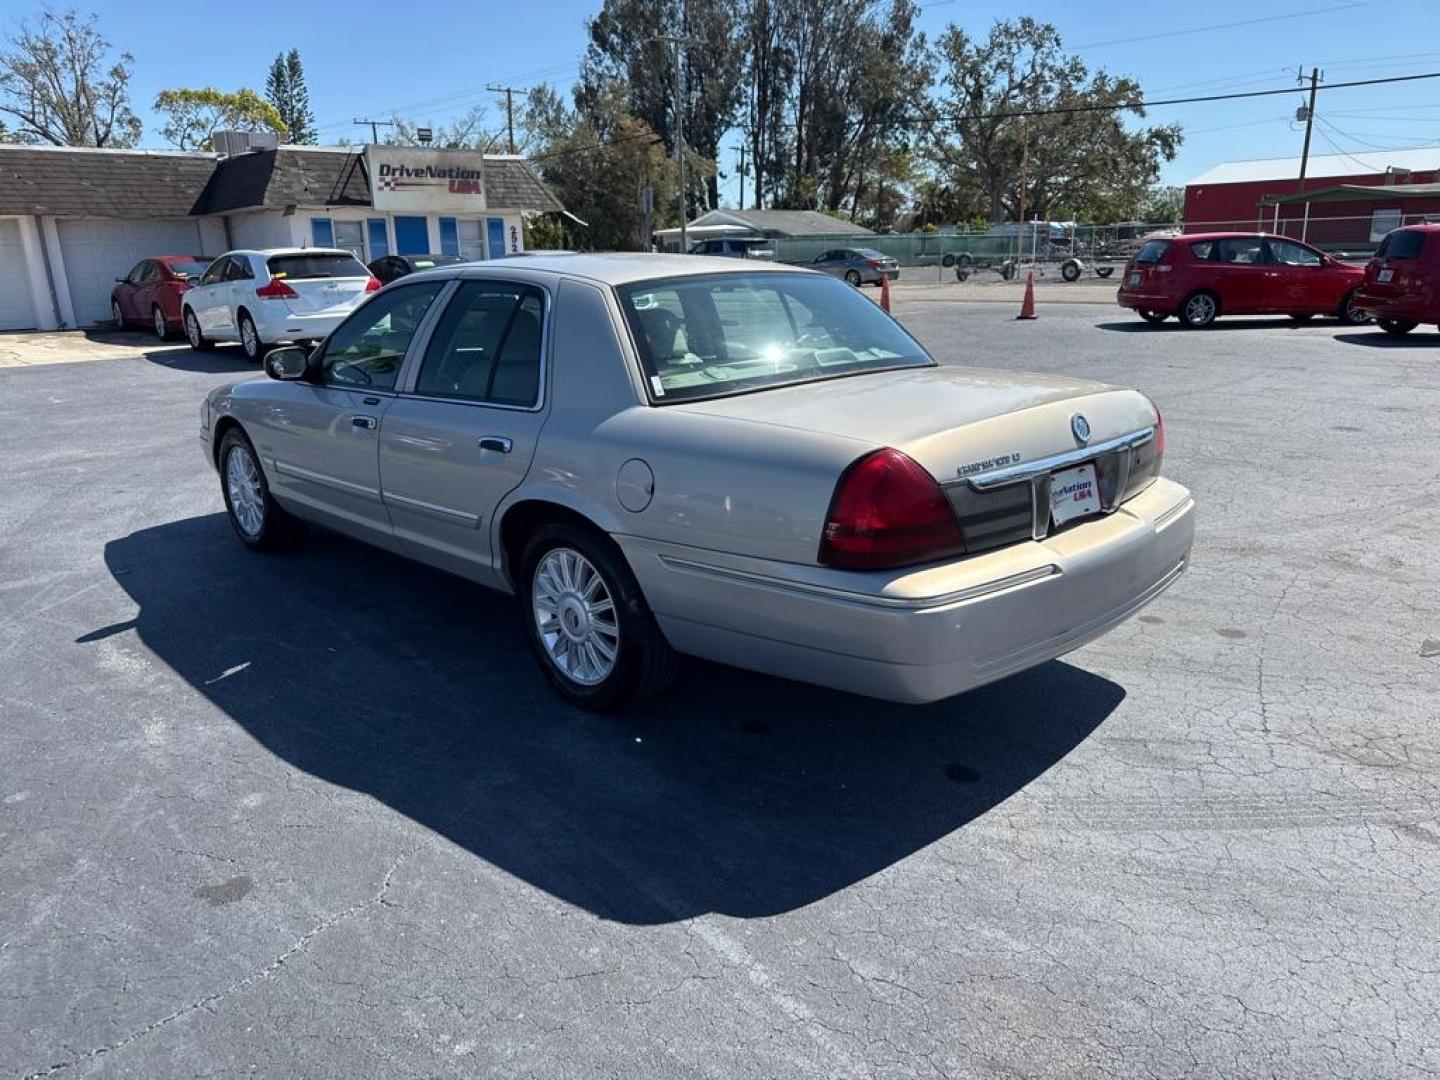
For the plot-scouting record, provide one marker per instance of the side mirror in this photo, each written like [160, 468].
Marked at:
[121, 280]
[287, 364]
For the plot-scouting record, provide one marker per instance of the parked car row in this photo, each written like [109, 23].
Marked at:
[858, 266]
[259, 298]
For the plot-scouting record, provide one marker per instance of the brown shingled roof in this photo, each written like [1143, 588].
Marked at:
[101, 183]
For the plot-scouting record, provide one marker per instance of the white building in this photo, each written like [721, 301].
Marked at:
[74, 219]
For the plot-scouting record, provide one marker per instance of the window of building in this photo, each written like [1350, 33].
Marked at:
[322, 232]
[449, 237]
[412, 236]
[379, 239]
[350, 235]
[1383, 222]
[471, 246]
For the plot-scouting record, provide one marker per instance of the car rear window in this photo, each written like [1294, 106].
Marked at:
[715, 335]
[1402, 244]
[324, 264]
[1153, 251]
[189, 268]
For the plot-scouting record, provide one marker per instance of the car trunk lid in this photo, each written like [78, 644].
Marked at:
[321, 282]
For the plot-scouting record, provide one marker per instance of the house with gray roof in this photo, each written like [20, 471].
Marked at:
[72, 220]
[770, 224]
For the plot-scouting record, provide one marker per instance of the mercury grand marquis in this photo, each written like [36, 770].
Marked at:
[669, 455]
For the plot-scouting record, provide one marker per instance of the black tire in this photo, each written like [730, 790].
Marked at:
[1200, 309]
[964, 259]
[250, 344]
[1156, 317]
[198, 341]
[644, 664]
[158, 323]
[1008, 271]
[947, 261]
[853, 277]
[117, 317]
[1396, 327]
[1070, 270]
[1302, 316]
[277, 529]
[1348, 313]
[1104, 271]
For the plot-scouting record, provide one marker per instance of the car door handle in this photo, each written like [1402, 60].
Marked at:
[499, 443]
[366, 422]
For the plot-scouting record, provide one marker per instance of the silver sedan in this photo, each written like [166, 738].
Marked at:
[671, 454]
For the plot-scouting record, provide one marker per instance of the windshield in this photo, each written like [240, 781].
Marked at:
[713, 335]
[188, 268]
[320, 264]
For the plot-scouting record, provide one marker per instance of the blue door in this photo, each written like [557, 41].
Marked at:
[412, 236]
[495, 237]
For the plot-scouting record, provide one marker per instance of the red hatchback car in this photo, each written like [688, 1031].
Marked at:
[1201, 276]
[1402, 282]
[150, 293]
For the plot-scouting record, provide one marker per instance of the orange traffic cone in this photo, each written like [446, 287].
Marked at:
[1027, 306]
[885, 293]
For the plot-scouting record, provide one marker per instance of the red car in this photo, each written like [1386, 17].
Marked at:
[1402, 282]
[150, 293]
[1201, 276]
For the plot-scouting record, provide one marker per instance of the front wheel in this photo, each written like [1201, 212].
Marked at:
[1154, 316]
[588, 623]
[157, 320]
[116, 315]
[1070, 270]
[1396, 327]
[1199, 310]
[198, 341]
[256, 517]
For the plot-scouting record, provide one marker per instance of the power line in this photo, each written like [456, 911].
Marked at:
[1216, 26]
[375, 125]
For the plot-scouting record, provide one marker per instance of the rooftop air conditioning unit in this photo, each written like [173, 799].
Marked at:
[231, 143]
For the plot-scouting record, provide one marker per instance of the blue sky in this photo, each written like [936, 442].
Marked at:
[431, 60]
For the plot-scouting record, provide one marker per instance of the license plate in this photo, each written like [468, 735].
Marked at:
[1133, 279]
[1384, 276]
[1073, 494]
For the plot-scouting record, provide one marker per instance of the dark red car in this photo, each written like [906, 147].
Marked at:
[1201, 276]
[1402, 282]
[150, 293]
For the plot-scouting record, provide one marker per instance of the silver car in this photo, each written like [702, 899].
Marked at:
[858, 266]
[754, 465]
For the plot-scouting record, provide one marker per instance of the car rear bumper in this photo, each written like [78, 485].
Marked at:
[275, 324]
[1408, 306]
[1147, 301]
[926, 634]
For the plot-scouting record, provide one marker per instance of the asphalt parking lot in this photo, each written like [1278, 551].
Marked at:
[318, 815]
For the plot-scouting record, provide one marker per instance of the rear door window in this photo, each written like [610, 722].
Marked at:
[1402, 244]
[486, 346]
[1289, 253]
[320, 264]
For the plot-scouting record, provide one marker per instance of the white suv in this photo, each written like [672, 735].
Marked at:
[259, 298]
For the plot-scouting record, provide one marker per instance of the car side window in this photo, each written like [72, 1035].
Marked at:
[486, 346]
[367, 349]
[1203, 249]
[151, 272]
[1289, 253]
[215, 272]
[133, 278]
[1241, 250]
[239, 270]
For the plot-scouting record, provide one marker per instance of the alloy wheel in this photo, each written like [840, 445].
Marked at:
[1200, 309]
[249, 338]
[116, 315]
[242, 485]
[575, 616]
[192, 330]
[160, 328]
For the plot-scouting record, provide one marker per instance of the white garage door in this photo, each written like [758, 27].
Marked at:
[97, 252]
[16, 310]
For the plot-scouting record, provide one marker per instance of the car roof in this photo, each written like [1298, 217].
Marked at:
[267, 252]
[182, 258]
[619, 267]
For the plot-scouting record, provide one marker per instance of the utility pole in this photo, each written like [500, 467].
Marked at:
[1024, 164]
[1309, 123]
[375, 125]
[741, 148]
[509, 92]
[677, 43]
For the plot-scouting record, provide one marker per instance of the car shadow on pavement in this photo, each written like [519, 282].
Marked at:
[218, 362]
[736, 793]
[1378, 339]
[1173, 326]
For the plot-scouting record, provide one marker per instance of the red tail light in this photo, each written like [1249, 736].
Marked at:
[276, 290]
[887, 511]
[373, 285]
[874, 264]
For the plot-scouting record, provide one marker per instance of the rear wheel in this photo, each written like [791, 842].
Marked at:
[947, 261]
[198, 341]
[1154, 316]
[250, 338]
[1396, 327]
[157, 320]
[1349, 313]
[116, 315]
[256, 517]
[1200, 309]
[588, 623]
[1070, 270]
[853, 277]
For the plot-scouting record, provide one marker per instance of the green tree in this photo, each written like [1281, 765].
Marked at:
[467, 132]
[1087, 163]
[285, 89]
[1165, 203]
[597, 160]
[624, 51]
[58, 83]
[193, 116]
